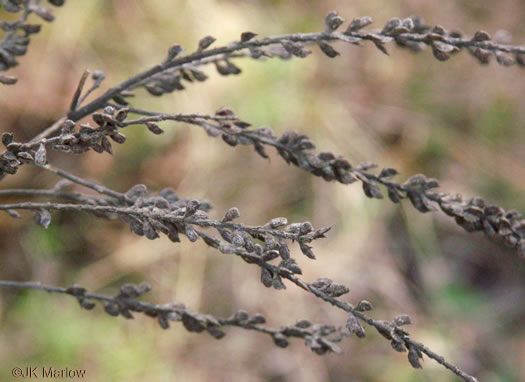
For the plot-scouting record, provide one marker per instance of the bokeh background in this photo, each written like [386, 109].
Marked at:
[456, 121]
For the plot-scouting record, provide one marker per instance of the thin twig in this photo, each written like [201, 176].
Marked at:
[78, 92]
[126, 302]
[75, 196]
[48, 131]
[92, 185]
[352, 37]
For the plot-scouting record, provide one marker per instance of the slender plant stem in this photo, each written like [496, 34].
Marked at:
[297, 37]
[92, 185]
[49, 131]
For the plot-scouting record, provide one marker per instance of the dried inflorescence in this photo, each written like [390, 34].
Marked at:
[166, 213]
[297, 149]
[83, 137]
[265, 246]
[18, 32]
[320, 338]
[411, 32]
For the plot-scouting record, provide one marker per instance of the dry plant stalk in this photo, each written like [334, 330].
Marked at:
[265, 246]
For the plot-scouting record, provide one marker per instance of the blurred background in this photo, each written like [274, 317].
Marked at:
[457, 121]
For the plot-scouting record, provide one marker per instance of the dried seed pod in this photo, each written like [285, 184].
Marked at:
[408, 23]
[391, 25]
[231, 214]
[266, 277]
[354, 326]
[13, 214]
[295, 49]
[277, 222]
[118, 137]
[190, 233]
[25, 155]
[307, 250]
[328, 49]
[333, 21]
[305, 228]
[7, 138]
[206, 42]
[149, 231]
[438, 29]
[44, 13]
[280, 340]
[504, 59]
[85, 304]
[198, 75]
[122, 114]
[247, 36]
[481, 36]
[381, 47]
[256, 319]
[8, 80]
[191, 207]
[414, 356]
[174, 51]
[402, 320]
[42, 217]
[106, 145]
[442, 51]
[137, 191]
[57, 3]
[363, 306]
[372, 190]
[40, 156]
[358, 24]
[154, 128]
[67, 127]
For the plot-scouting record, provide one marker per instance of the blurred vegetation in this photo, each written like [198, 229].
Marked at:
[456, 121]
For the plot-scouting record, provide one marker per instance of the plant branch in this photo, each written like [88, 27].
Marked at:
[126, 303]
[15, 44]
[408, 32]
[48, 131]
[73, 196]
[188, 215]
[92, 185]
[236, 240]
[473, 215]
[78, 92]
